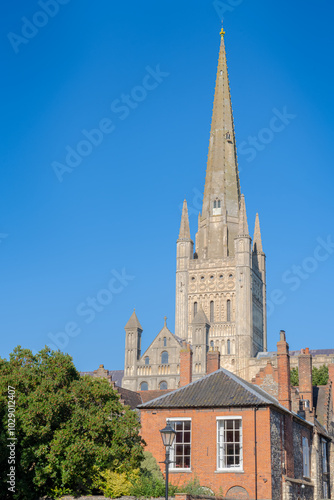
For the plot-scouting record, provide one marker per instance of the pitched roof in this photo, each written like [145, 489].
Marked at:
[219, 389]
[133, 322]
[152, 394]
[130, 398]
[321, 401]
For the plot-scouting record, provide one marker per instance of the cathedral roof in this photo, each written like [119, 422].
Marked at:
[219, 389]
[133, 322]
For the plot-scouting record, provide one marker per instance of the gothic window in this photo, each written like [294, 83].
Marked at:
[165, 341]
[144, 386]
[163, 386]
[195, 308]
[147, 360]
[228, 311]
[164, 358]
[212, 311]
[228, 347]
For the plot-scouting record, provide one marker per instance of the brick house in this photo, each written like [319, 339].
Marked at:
[239, 440]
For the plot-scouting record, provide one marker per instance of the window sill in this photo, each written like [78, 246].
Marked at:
[229, 470]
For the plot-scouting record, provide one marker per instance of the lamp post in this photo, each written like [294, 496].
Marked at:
[168, 435]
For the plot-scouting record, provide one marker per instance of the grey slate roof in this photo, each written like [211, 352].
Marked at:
[219, 389]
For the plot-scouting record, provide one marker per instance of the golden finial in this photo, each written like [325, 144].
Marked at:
[222, 33]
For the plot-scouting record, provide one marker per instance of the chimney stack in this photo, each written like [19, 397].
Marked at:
[331, 373]
[283, 365]
[305, 378]
[186, 363]
[213, 361]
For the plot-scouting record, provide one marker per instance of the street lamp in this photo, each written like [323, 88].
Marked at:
[168, 435]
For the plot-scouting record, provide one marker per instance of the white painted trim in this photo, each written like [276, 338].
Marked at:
[179, 419]
[229, 418]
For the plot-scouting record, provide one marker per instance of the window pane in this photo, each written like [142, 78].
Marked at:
[187, 425]
[187, 449]
[179, 449]
[187, 437]
[186, 462]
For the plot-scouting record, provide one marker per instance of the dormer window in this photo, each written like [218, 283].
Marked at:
[217, 207]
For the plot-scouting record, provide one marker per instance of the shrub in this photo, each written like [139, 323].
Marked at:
[116, 484]
[150, 467]
[194, 488]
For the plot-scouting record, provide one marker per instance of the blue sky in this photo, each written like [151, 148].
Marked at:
[114, 218]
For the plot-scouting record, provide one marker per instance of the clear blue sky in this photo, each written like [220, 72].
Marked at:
[118, 210]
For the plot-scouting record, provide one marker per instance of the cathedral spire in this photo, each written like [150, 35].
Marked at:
[243, 225]
[184, 228]
[222, 178]
[257, 240]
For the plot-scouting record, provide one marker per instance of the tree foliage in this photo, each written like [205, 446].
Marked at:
[294, 377]
[319, 376]
[67, 426]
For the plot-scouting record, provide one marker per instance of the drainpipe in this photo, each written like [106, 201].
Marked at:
[255, 452]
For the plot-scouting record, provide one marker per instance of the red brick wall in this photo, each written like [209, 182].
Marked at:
[185, 367]
[204, 448]
[305, 376]
[331, 372]
[212, 361]
[283, 365]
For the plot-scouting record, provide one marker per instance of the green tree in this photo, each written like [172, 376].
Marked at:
[294, 377]
[67, 427]
[319, 376]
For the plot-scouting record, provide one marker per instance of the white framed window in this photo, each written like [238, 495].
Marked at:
[180, 452]
[229, 443]
[306, 457]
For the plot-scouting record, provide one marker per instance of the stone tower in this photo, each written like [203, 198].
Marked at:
[225, 277]
[133, 331]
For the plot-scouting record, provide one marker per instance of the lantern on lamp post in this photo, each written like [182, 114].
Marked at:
[168, 435]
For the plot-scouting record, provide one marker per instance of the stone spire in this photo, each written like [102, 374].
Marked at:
[243, 226]
[257, 240]
[184, 228]
[133, 322]
[222, 178]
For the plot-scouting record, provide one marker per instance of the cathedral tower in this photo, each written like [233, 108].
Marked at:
[225, 276]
